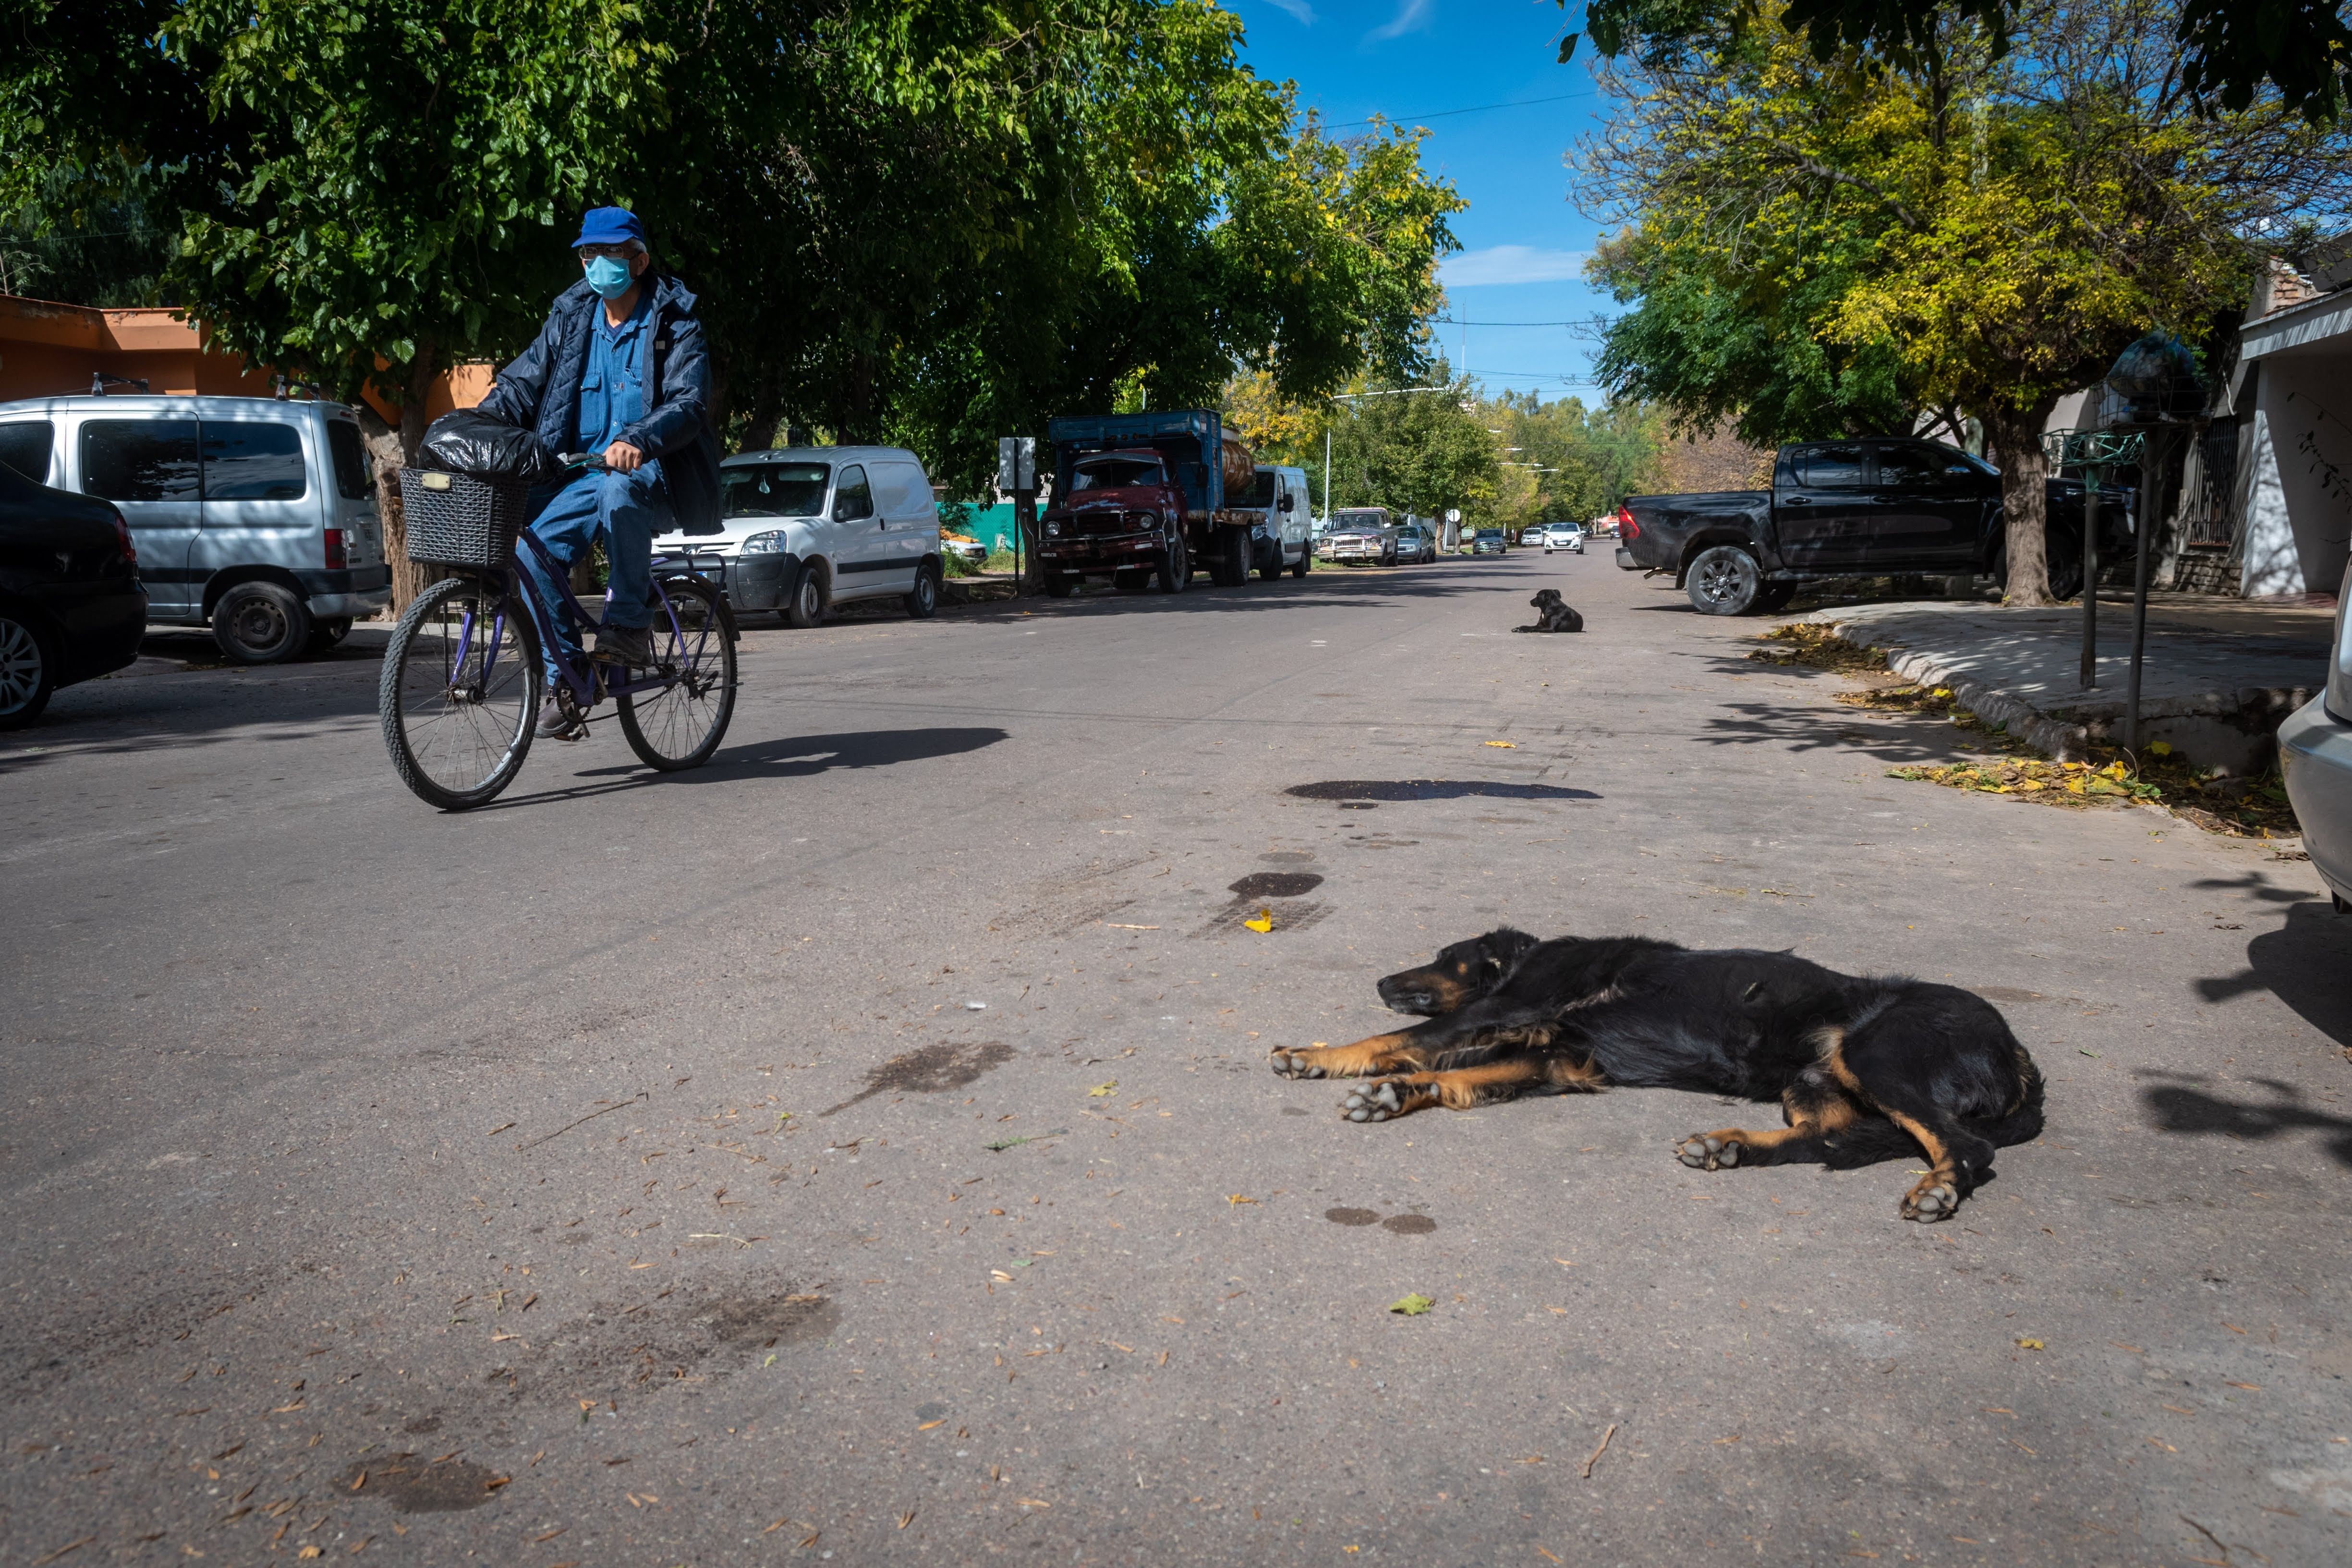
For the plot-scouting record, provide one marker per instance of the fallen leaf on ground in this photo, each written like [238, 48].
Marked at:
[2031, 1345]
[1101, 1091]
[1263, 923]
[1236, 1199]
[1412, 1306]
[1506, 745]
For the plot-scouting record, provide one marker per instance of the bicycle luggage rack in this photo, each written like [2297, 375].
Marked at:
[460, 519]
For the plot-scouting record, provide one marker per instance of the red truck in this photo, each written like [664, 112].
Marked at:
[1139, 497]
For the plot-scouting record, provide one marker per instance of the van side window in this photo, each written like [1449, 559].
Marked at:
[139, 459]
[352, 474]
[853, 498]
[260, 460]
[24, 446]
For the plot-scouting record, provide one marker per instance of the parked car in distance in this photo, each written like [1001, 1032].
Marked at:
[1888, 507]
[1362, 535]
[806, 528]
[1563, 536]
[1487, 542]
[963, 547]
[1416, 542]
[71, 606]
[2316, 756]
[253, 515]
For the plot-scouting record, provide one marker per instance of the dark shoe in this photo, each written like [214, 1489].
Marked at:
[556, 724]
[624, 645]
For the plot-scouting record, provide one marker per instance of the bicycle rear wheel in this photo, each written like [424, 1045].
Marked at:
[680, 725]
[459, 692]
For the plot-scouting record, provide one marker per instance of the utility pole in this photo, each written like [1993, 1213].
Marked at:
[1327, 475]
[1017, 476]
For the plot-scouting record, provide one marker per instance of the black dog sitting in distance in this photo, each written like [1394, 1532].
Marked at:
[1864, 1069]
[1552, 614]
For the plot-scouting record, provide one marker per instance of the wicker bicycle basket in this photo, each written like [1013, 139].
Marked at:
[456, 519]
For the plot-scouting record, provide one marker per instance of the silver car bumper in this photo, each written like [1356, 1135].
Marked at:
[2316, 756]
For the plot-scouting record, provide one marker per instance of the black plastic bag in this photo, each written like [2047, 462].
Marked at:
[470, 442]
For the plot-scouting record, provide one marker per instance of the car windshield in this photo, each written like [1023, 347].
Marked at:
[774, 489]
[1362, 519]
[1490, 533]
[1115, 474]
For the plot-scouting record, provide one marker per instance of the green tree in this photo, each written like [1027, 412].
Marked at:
[2230, 53]
[1821, 247]
[1420, 450]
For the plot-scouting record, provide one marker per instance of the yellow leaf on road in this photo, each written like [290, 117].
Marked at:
[1103, 1089]
[1506, 745]
[1265, 921]
[1237, 1199]
[1412, 1306]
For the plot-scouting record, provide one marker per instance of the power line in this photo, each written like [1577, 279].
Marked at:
[1445, 113]
[1455, 322]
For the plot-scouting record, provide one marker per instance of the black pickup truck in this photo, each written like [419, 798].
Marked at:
[1883, 508]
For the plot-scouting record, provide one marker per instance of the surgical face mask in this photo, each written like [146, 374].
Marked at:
[609, 277]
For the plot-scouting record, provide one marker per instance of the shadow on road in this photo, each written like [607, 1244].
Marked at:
[790, 757]
[2301, 963]
[1888, 739]
[2180, 1107]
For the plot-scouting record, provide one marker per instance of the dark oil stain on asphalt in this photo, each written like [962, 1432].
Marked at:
[1409, 1224]
[763, 1321]
[1275, 885]
[413, 1484]
[1352, 1217]
[1351, 791]
[1295, 1110]
[932, 1069]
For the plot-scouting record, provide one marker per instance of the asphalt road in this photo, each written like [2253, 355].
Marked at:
[610, 1176]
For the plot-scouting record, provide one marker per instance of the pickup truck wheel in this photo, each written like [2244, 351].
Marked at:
[1723, 581]
[2065, 567]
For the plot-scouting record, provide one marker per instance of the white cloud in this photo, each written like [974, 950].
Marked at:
[1298, 11]
[1411, 16]
[1511, 264]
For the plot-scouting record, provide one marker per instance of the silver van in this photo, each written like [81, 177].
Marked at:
[251, 515]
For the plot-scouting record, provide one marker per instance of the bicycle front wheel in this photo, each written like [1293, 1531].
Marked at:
[459, 692]
[681, 724]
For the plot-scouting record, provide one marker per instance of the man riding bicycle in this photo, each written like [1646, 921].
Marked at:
[620, 370]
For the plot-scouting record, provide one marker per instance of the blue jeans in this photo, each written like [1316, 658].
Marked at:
[626, 510]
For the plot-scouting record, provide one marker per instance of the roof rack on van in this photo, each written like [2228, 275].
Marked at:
[99, 381]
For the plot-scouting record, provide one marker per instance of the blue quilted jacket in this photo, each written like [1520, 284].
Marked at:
[540, 390]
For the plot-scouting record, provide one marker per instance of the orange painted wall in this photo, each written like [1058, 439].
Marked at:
[48, 350]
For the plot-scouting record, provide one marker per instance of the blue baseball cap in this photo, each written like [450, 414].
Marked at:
[609, 225]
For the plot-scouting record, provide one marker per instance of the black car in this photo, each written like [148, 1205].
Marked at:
[70, 605]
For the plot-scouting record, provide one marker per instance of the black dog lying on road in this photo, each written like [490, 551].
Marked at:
[1864, 1069]
[1552, 614]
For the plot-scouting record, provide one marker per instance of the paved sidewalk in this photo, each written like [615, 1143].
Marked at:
[2219, 676]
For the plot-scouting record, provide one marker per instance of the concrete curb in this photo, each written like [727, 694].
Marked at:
[2065, 743]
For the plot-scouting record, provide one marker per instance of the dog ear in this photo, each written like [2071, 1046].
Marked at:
[1503, 946]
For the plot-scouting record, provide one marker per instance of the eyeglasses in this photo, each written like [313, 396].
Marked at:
[617, 252]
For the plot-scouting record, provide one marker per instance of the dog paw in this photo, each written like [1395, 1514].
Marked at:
[1373, 1102]
[1930, 1202]
[1293, 1064]
[1708, 1151]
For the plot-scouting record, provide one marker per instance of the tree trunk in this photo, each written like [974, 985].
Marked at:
[393, 448]
[2015, 437]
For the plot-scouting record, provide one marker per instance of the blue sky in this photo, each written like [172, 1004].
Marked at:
[1523, 242]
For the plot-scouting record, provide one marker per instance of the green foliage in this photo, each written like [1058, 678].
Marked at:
[1418, 452]
[2231, 53]
[400, 173]
[97, 235]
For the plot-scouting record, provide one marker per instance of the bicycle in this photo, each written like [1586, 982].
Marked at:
[461, 688]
